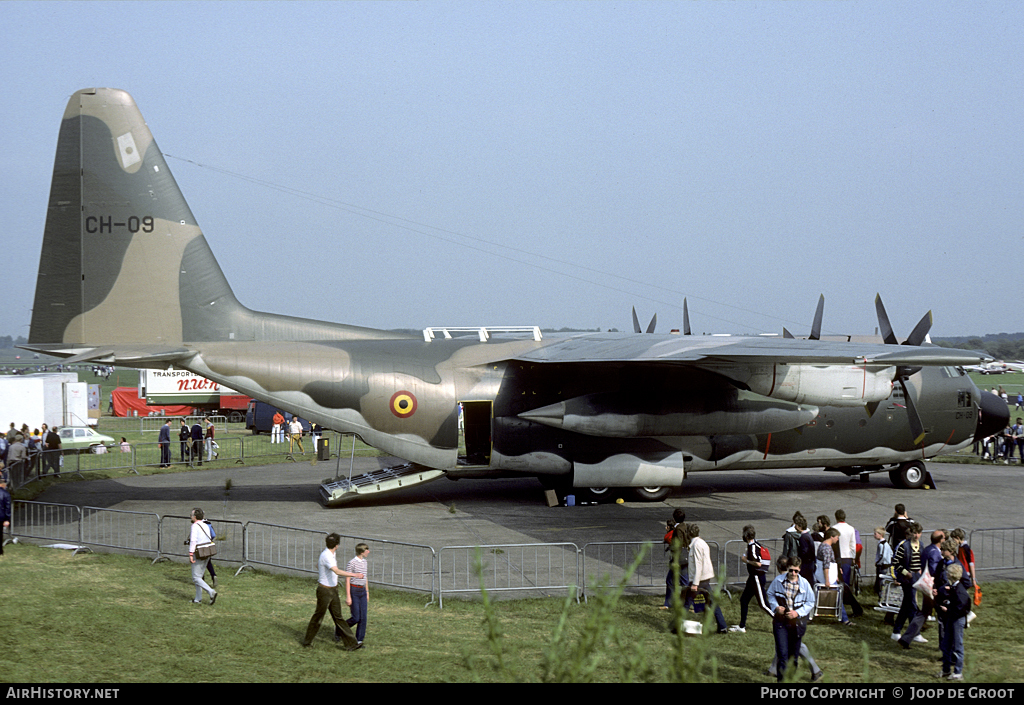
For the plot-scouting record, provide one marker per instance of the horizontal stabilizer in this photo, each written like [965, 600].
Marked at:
[131, 356]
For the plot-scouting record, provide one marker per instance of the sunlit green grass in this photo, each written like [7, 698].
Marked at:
[118, 619]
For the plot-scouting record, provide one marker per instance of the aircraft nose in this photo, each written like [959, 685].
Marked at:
[993, 415]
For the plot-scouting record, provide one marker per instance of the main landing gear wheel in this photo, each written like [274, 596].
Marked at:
[597, 494]
[910, 476]
[651, 494]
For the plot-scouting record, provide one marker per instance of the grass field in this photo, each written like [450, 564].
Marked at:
[118, 619]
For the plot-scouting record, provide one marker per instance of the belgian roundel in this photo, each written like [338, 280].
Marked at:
[403, 404]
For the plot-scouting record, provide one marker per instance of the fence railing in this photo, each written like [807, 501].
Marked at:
[997, 549]
[46, 521]
[236, 448]
[144, 424]
[402, 565]
[542, 567]
[606, 562]
[115, 528]
[507, 567]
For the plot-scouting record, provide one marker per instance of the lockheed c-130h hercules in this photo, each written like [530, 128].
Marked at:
[126, 277]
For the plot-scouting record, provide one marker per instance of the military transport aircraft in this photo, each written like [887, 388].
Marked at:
[126, 277]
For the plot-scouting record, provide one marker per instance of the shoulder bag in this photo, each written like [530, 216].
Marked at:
[205, 550]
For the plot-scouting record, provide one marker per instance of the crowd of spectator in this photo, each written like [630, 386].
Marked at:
[22, 451]
[821, 562]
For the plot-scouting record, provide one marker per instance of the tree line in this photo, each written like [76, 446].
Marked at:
[7, 341]
[1001, 346]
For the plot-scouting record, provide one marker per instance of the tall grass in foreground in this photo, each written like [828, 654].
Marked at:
[95, 618]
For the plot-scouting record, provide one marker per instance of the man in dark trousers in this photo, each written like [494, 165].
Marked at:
[846, 552]
[805, 550]
[906, 563]
[164, 441]
[757, 569]
[197, 443]
[791, 600]
[5, 511]
[327, 598]
[952, 605]
[185, 440]
[51, 451]
[931, 560]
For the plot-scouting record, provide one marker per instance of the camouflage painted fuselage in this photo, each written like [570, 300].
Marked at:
[404, 397]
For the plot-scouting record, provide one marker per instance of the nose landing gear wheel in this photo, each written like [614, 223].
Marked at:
[910, 475]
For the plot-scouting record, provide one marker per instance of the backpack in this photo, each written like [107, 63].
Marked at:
[762, 554]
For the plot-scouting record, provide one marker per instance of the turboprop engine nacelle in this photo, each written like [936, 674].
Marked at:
[821, 385]
[637, 415]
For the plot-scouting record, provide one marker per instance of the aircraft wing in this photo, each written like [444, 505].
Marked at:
[713, 351]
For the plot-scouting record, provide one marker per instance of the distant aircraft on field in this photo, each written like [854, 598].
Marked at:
[996, 367]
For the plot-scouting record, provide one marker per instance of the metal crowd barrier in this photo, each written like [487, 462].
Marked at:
[401, 565]
[392, 563]
[607, 562]
[46, 521]
[174, 532]
[115, 528]
[452, 569]
[237, 448]
[507, 567]
[611, 559]
[998, 549]
[146, 424]
[286, 547]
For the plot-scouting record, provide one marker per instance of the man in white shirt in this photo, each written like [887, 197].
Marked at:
[327, 599]
[295, 434]
[846, 548]
[702, 572]
[198, 535]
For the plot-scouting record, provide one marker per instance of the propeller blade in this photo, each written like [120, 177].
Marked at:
[686, 318]
[920, 332]
[636, 322]
[652, 324]
[916, 426]
[818, 314]
[884, 327]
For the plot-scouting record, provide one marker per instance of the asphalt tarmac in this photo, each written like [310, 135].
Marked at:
[484, 512]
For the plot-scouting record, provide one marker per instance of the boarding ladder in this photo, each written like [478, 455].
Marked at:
[342, 490]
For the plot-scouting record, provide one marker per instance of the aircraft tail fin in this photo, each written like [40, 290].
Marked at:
[123, 259]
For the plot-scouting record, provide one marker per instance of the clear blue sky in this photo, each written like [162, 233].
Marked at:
[488, 163]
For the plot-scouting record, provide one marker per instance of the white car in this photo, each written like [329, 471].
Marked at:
[82, 438]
